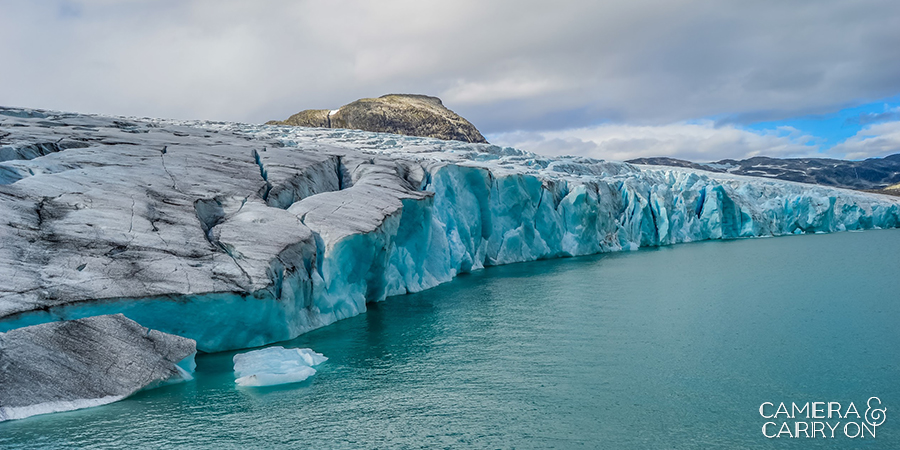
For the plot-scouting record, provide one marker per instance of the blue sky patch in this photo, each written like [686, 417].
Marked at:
[832, 129]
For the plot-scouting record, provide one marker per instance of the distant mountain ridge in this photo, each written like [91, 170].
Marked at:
[869, 174]
[406, 114]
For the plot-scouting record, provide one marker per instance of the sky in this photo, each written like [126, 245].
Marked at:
[694, 79]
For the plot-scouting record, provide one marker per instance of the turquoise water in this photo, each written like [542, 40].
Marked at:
[674, 347]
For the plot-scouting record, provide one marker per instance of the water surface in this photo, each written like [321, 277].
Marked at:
[673, 347]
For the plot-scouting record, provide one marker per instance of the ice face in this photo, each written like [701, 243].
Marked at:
[275, 365]
[61, 366]
[239, 235]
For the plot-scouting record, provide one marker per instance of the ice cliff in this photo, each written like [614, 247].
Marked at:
[61, 366]
[241, 235]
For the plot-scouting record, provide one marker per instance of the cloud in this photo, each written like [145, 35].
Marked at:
[701, 141]
[502, 89]
[505, 65]
[889, 114]
[876, 140]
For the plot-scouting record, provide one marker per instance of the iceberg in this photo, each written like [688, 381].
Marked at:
[62, 366]
[275, 365]
[238, 235]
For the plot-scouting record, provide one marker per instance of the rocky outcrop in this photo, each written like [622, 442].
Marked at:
[406, 114]
[61, 366]
[316, 118]
[890, 190]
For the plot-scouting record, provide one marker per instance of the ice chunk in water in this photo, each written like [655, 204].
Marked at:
[275, 365]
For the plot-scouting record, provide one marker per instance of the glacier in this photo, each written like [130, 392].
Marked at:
[239, 235]
[275, 365]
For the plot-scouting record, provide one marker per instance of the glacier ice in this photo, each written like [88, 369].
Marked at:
[242, 235]
[275, 365]
[62, 366]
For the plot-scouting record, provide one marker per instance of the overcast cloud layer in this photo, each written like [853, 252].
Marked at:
[701, 141]
[611, 67]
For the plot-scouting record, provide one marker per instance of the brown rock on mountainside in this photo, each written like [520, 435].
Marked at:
[407, 114]
[891, 190]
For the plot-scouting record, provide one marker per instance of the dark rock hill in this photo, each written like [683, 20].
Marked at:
[407, 114]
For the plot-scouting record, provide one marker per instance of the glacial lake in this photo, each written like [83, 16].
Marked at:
[675, 347]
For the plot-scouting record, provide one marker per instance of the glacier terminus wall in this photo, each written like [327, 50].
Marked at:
[241, 235]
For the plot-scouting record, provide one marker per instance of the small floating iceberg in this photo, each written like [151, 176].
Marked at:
[275, 365]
